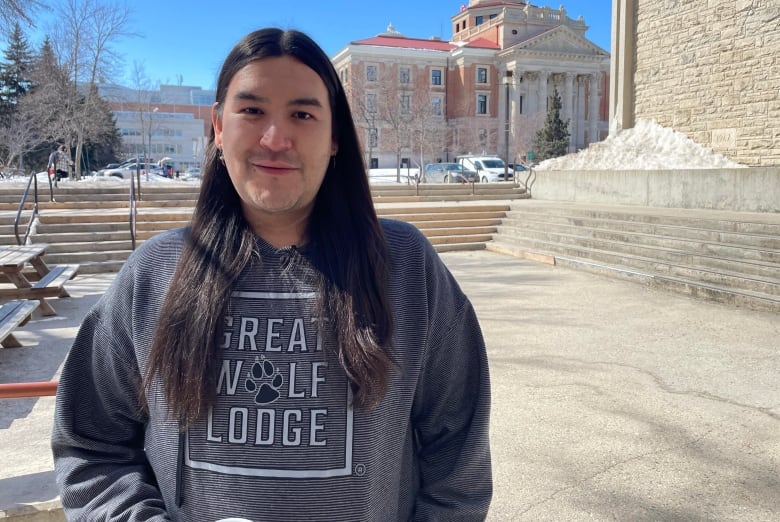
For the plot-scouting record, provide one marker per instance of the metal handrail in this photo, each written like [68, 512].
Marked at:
[531, 172]
[132, 218]
[32, 181]
[19, 390]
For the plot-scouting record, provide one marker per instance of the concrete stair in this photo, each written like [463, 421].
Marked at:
[732, 257]
[90, 225]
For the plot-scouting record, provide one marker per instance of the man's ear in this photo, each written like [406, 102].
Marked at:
[216, 123]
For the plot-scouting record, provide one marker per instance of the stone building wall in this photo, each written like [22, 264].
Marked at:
[711, 70]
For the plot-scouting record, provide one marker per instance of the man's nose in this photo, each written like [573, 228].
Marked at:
[276, 137]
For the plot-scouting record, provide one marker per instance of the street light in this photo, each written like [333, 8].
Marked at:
[507, 83]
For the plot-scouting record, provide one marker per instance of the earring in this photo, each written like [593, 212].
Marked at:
[220, 157]
[333, 162]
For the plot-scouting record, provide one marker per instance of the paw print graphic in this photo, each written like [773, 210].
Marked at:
[264, 380]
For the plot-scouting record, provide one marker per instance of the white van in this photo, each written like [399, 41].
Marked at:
[489, 168]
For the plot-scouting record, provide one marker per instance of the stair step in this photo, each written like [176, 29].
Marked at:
[694, 288]
[766, 281]
[97, 244]
[677, 232]
[740, 259]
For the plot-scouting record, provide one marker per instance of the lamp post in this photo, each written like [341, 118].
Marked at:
[507, 83]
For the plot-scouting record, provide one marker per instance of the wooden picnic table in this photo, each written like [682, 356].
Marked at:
[41, 283]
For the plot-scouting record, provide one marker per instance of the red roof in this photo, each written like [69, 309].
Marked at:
[421, 43]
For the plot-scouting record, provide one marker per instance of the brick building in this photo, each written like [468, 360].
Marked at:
[487, 90]
[171, 122]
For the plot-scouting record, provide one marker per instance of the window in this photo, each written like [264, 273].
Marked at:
[436, 77]
[520, 106]
[371, 102]
[482, 75]
[406, 103]
[478, 20]
[374, 163]
[371, 73]
[436, 105]
[373, 137]
[482, 101]
[404, 75]
[490, 17]
[483, 137]
[344, 76]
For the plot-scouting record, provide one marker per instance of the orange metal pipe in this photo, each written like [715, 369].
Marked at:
[17, 390]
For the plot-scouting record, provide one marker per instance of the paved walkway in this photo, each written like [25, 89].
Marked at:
[611, 401]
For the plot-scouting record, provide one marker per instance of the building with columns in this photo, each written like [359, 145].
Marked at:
[485, 91]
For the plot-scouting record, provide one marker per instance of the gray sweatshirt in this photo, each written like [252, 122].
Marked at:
[282, 442]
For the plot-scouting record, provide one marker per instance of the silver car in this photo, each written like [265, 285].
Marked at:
[449, 173]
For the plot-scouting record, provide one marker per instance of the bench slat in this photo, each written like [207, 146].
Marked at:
[13, 314]
[57, 276]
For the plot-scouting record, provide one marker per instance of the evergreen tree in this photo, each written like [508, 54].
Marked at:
[553, 139]
[15, 71]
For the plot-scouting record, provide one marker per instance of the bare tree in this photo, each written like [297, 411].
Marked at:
[523, 134]
[144, 108]
[18, 11]
[365, 111]
[82, 38]
[427, 127]
[377, 104]
[21, 131]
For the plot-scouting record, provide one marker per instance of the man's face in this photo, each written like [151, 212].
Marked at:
[276, 136]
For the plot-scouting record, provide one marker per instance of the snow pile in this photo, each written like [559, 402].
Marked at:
[647, 146]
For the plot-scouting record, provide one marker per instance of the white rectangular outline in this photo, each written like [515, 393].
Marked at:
[281, 473]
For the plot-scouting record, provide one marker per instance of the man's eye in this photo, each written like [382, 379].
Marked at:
[302, 115]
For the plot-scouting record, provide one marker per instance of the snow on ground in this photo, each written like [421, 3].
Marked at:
[647, 146]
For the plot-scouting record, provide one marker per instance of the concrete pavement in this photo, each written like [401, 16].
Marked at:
[611, 401]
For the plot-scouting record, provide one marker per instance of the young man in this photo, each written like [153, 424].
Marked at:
[288, 356]
[60, 163]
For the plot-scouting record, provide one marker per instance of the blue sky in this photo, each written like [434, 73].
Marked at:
[191, 38]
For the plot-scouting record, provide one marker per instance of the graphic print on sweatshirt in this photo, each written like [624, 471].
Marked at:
[282, 406]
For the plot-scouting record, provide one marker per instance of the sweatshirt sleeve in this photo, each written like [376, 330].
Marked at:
[98, 437]
[452, 407]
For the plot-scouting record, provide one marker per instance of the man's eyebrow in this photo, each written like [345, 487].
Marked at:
[314, 102]
[248, 96]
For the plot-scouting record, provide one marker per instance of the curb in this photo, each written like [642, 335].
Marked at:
[49, 511]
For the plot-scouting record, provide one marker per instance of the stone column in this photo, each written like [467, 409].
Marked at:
[542, 94]
[621, 89]
[568, 91]
[568, 113]
[594, 102]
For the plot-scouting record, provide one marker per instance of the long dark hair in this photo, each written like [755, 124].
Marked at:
[351, 255]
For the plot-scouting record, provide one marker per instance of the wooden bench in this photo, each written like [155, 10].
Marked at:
[13, 314]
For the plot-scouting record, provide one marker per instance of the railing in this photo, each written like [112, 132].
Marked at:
[133, 212]
[34, 182]
[532, 177]
[20, 390]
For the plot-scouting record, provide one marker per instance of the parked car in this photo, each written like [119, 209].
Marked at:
[192, 173]
[518, 167]
[489, 168]
[449, 173]
[128, 171]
